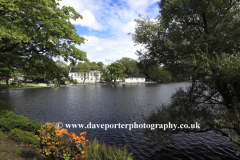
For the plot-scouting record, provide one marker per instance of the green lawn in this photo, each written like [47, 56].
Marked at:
[28, 85]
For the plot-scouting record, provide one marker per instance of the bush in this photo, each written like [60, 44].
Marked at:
[5, 106]
[9, 120]
[62, 82]
[24, 136]
[52, 142]
[99, 151]
[75, 81]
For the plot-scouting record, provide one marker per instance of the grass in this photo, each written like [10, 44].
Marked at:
[13, 150]
[3, 86]
[99, 151]
[10, 149]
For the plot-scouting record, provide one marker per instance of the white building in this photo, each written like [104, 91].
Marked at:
[134, 78]
[91, 77]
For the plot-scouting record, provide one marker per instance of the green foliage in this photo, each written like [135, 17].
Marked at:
[114, 71]
[2, 134]
[159, 75]
[25, 137]
[61, 64]
[130, 65]
[98, 151]
[84, 69]
[5, 106]
[100, 64]
[75, 81]
[32, 33]
[178, 78]
[197, 38]
[9, 120]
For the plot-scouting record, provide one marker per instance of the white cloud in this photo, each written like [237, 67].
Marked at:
[88, 21]
[129, 27]
[116, 18]
[108, 50]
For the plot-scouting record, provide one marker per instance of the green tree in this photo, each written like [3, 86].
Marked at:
[129, 64]
[62, 65]
[100, 64]
[114, 71]
[159, 75]
[6, 73]
[201, 39]
[84, 70]
[97, 69]
[37, 32]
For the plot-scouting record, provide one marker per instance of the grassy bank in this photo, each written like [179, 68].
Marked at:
[3, 86]
[21, 138]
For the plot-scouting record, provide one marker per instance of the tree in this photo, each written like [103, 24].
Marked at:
[97, 69]
[100, 64]
[159, 75]
[114, 71]
[200, 38]
[129, 64]
[35, 32]
[62, 65]
[84, 69]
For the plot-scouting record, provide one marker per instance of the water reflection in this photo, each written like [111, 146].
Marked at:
[123, 104]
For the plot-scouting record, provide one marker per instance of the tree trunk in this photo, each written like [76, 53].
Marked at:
[7, 82]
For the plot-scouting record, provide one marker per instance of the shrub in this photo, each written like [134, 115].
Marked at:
[75, 81]
[9, 120]
[2, 134]
[99, 151]
[5, 106]
[24, 136]
[62, 82]
[52, 142]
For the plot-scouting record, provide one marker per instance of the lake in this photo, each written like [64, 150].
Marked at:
[125, 104]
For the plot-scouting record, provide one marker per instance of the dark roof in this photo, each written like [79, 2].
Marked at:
[73, 70]
[140, 75]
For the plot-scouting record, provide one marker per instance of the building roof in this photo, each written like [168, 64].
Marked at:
[140, 75]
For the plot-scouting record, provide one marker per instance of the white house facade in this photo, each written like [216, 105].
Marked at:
[134, 78]
[92, 77]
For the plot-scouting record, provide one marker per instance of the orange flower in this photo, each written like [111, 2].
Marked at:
[58, 133]
[43, 131]
[82, 152]
[83, 134]
[76, 155]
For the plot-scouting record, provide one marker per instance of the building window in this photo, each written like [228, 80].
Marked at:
[91, 78]
[74, 74]
[131, 79]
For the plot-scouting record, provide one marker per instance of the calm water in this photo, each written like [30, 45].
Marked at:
[123, 104]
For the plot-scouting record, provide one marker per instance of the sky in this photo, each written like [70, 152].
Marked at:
[105, 25]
